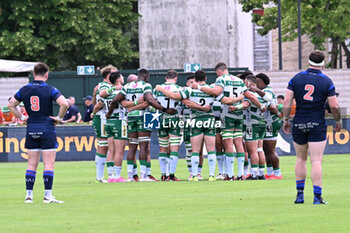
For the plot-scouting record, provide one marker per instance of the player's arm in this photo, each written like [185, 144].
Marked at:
[196, 106]
[214, 91]
[142, 106]
[128, 104]
[63, 103]
[335, 110]
[232, 100]
[149, 99]
[94, 95]
[97, 107]
[118, 98]
[265, 95]
[12, 106]
[273, 109]
[249, 95]
[241, 106]
[107, 91]
[288, 99]
[170, 94]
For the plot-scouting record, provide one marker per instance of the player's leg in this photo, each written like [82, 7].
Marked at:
[316, 155]
[200, 164]
[49, 157]
[219, 154]
[162, 156]
[102, 147]
[227, 137]
[110, 160]
[267, 147]
[262, 160]
[174, 153]
[120, 136]
[209, 139]
[238, 143]
[33, 161]
[300, 170]
[148, 165]
[246, 161]
[133, 144]
[196, 141]
[252, 146]
[144, 139]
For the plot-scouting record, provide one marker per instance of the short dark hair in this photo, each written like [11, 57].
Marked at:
[263, 77]
[251, 78]
[41, 69]
[171, 74]
[244, 74]
[199, 76]
[143, 74]
[280, 97]
[190, 77]
[114, 77]
[316, 56]
[105, 71]
[221, 66]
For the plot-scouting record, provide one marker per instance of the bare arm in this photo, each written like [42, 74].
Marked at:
[127, 103]
[114, 103]
[97, 107]
[149, 98]
[79, 117]
[94, 95]
[252, 98]
[232, 100]
[144, 105]
[335, 109]
[214, 91]
[12, 106]
[287, 103]
[273, 109]
[196, 106]
[63, 103]
[170, 94]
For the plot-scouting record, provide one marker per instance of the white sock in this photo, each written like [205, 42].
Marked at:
[261, 171]
[130, 168]
[194, 163]
[269, 170]
[134, 170]
[29, 193]
[212, 163]
[246, 170]
[277, 172]
[100, 166]
[229, 165]
[167, 166]
[163, 161]
[48, 192]
[148, 171]
[240, 164]
[173, 163]
[220, 160]
[224, 164]
[110, 170]
[117, 171]
[254, 171]
[143, 171]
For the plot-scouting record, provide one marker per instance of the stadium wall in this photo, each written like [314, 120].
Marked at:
[77, 143]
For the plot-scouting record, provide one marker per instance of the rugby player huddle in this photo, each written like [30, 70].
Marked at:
[234, 117]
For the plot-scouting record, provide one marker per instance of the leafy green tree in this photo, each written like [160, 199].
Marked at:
[67, 33]
[320, 20]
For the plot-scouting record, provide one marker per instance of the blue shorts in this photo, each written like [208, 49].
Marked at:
[43, 138]
[302, 133]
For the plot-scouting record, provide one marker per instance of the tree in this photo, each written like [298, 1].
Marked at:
[67, 33]
[321, 19]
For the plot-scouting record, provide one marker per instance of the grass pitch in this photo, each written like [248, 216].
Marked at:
[247, 206]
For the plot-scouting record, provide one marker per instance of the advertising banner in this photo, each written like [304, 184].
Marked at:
[76, 143]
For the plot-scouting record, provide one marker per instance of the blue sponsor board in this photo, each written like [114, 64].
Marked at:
[77, 143]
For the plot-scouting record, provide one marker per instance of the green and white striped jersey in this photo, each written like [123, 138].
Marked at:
[119, 111]
[233, 87]
[102, 86]
[252, 114]
[201, 98]
[133, 91]
[186, 110]
[167, 102]
[269, 116]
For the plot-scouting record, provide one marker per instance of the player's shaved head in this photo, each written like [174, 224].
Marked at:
[132, 78]
[221, 66]
[251, 78]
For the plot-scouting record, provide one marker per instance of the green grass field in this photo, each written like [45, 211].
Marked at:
[247, 206]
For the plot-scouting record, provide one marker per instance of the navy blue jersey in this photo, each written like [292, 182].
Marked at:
[311, 89]
[71, 111]
[37, 98]
[87, 115]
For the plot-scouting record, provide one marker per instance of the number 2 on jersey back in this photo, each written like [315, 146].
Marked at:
[34, 103]
[310, 90]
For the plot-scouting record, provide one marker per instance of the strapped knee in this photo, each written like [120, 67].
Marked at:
[134, 141]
